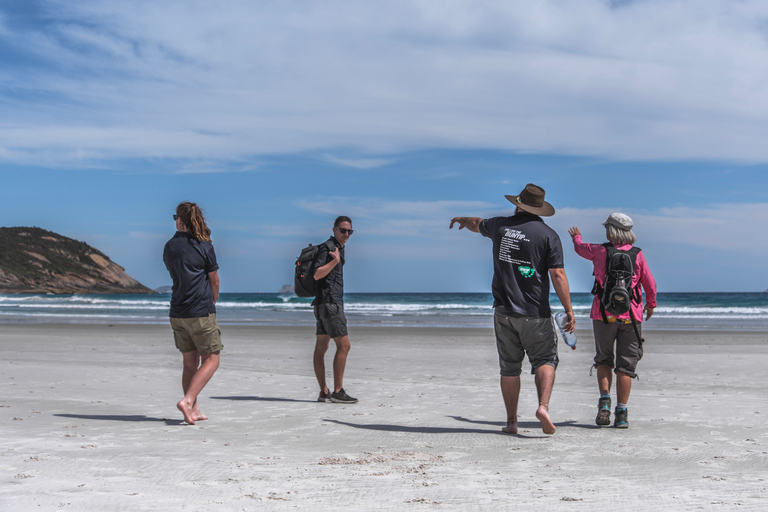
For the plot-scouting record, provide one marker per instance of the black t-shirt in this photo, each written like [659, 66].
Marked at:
[189, 262]
[330, 289]
[524, 249]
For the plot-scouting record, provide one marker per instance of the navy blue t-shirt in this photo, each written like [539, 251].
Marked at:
[330, 289]
[189, 261]
[524, 249]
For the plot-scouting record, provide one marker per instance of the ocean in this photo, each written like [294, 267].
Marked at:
[694, 311]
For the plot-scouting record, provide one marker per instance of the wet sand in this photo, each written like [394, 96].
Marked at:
[89, 422]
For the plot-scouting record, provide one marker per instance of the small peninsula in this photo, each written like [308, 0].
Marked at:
[33, 260]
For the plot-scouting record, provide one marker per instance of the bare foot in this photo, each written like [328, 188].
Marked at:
[511, 428]
[182, 406]
[542, 414]
[196, 414]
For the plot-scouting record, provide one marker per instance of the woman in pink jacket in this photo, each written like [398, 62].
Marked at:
[617, 329]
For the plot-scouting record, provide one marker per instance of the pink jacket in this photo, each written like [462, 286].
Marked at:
[596, 254]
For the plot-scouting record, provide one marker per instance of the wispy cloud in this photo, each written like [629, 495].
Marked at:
[629, 80]
[208, 167]
[358, 163]
[718, 227]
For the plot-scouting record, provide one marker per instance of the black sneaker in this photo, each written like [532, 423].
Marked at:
[324, 397]
[621, 418]
[341, 397]
[603, 411]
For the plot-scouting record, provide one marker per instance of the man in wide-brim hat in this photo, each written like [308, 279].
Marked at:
[526, 254]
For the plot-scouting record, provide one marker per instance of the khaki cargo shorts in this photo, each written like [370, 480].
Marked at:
[200, 333]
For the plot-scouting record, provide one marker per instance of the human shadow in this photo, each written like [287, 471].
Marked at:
[120, 417]
[263, 399]
[526, 424]
[427, 430]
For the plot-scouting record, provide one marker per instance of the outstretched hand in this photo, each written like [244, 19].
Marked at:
[471, 223]
[574, 231]
[461, 221]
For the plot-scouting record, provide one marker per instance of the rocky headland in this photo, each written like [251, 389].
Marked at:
[33, 260]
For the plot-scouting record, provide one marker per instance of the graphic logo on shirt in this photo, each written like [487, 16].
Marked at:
[515, 234]
[526, 271]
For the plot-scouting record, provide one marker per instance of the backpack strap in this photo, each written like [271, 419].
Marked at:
[597, 290]
[331, 246]
[637, 295]
[634, 326]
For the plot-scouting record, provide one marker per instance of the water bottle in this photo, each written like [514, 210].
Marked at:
[569, 337]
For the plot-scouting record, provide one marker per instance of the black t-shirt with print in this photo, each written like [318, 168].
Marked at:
[524, 249]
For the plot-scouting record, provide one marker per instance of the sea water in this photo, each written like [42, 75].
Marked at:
[718, 311]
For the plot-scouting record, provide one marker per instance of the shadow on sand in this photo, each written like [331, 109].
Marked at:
[525, 424]
[263, 399]
[120, 417]
[431, 430]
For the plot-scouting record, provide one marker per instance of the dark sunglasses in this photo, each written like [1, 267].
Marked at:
[175, 217]
[344, 231]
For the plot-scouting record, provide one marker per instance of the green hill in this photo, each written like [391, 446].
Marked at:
[33, 260]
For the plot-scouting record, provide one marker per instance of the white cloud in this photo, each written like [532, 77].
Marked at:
[358, 163]
[421, 227]
[646, 80]
[398, 218]
[718, 227]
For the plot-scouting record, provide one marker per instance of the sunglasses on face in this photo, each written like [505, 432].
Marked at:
[344, 231]
[175, 217]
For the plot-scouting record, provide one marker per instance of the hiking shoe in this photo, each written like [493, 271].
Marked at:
[341, 397]
[603, 412]
[621, 418]
[324, 397]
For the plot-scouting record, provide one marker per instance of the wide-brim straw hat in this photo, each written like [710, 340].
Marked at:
[531, 200]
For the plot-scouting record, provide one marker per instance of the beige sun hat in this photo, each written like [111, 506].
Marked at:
[619, 220]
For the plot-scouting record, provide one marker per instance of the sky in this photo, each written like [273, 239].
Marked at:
[276, 117]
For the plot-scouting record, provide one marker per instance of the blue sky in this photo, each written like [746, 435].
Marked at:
[278, 116]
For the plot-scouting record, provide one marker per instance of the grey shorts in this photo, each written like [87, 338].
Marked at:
[201, 334]
[628, 349]
[517, 335]
[331, 320]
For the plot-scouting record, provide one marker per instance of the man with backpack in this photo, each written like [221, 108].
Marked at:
[328, 273]
[526, 254]
[617, 311]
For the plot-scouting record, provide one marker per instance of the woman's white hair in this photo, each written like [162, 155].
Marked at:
[620, 236]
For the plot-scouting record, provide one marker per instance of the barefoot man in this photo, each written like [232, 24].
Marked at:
[526, 254]
[191, 261]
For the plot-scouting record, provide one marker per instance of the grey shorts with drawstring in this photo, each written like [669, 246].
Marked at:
[518, 335]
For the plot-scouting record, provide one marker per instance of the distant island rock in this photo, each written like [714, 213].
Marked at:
[164, 289]
[33, 260]
[287, 288]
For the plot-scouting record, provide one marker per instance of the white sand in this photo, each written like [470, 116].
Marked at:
[88, 422]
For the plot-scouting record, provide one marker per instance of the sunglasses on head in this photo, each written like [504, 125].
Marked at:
[344, 231]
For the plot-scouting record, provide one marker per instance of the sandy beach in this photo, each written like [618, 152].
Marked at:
[89, 422]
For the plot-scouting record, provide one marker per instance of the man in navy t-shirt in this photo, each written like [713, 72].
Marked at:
[526, 254]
